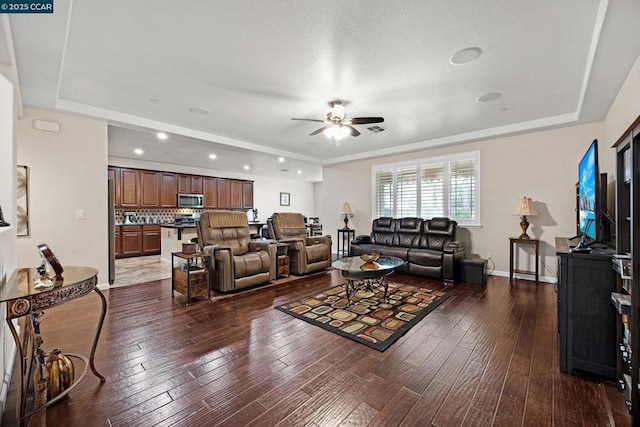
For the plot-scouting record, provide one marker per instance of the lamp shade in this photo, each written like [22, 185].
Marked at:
[346, 209]
[525, 207]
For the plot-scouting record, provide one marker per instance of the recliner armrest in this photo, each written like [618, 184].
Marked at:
[318, 239]
[261, 245]
[454, 247]
[362, 239]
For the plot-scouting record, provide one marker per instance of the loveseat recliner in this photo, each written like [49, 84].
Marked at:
[428, 246]
[238, 262]
[306, 254]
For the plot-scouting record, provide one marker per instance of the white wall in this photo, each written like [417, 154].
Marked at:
[67, 172]
[8, 259]
[266, 190]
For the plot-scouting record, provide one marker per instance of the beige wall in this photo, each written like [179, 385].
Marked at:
[542, 165]
[8, 259]
[67, 172]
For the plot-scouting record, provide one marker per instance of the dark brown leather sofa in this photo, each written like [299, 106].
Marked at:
[428, 246]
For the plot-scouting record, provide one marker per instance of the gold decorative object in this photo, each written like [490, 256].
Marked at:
[60, 373]
[369, 258]
[369, 267]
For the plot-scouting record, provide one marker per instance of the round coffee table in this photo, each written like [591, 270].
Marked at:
[362, 275]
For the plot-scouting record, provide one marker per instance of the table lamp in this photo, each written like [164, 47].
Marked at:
[347, 212]
[523, 208]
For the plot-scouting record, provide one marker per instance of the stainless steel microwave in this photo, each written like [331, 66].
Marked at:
[190, 200]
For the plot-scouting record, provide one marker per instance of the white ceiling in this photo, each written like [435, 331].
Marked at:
[256, 64]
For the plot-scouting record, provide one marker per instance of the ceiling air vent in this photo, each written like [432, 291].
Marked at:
[376, 129]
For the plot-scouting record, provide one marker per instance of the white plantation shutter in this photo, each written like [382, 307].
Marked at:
[383, 193]
[446, 186]
[432, 190]
[462, 185]
[406, 191]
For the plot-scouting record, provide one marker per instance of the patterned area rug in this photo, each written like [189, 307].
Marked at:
[369, 319]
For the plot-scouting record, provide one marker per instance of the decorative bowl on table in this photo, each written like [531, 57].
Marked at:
[369, 267]
[369, 258]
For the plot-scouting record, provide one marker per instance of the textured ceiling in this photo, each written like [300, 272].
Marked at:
[254, 65]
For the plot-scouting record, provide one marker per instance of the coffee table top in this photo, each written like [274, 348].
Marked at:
[357, 265]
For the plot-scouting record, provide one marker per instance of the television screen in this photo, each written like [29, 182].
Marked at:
[588, 181]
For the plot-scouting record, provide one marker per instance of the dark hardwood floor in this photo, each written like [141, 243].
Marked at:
[487, 356]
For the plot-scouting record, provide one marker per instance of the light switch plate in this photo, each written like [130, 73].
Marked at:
[80, 214]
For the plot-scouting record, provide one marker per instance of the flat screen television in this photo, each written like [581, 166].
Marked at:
[589, 195]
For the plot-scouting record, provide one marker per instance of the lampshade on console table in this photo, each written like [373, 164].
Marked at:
[524, 208]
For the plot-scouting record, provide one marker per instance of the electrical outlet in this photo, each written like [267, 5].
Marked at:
[489, 256]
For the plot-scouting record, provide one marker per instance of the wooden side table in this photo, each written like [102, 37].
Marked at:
[513, 242]
[194, 280]
[345, 236]
[282, 250]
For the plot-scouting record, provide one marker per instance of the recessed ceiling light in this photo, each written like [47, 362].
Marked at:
[138, 151]
[162, 135]
[489, 97]
[199, 110]
[299, 171]
[212, 156]
[466, 55]
[281, 159]
[246, 167]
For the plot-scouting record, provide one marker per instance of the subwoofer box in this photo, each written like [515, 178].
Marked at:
[473, 270]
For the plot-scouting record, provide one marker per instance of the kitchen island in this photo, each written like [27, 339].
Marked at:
[172, 238]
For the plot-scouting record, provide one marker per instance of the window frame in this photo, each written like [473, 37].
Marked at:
[446, 160]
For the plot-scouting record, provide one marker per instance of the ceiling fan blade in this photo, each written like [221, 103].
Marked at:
[366, 120]
[309, 120]
[354, 131]
[319, 130]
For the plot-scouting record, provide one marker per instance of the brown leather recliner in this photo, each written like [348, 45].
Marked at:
[238, 262]
[306, 254]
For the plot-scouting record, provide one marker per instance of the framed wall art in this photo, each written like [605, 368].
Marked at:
[285, 199]
[22, 202]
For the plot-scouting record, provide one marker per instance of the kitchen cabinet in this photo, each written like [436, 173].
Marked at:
[189, 184]
[247, 194]
[131, 240]
[113, 173]
[118, 241]
[129, 188]
[168, 190]
[149, 188]
[224, 193]
[150, 239]
[210, 192]
[236, 194]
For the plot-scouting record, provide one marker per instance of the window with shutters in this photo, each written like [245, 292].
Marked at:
[444, 186]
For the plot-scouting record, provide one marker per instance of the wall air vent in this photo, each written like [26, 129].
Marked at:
[376, 129]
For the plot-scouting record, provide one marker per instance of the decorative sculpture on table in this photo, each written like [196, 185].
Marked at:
[3, 223]
[48, 260]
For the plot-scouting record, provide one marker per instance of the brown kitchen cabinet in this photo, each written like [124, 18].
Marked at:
[236, 194]
[168, 190]
[224, 193]
[149, 188]
[129, 188]
[113, 173]
[189, 184]
[150, 239]
[210, 192]
[118, 241]
[247, 194]
[131, 240]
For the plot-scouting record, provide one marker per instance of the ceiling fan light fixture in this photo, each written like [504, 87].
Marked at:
[338, 111]
[337, 132]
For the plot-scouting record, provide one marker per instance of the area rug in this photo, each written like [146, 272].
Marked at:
[369, 319]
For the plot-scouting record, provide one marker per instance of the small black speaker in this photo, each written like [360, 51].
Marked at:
[474, 270]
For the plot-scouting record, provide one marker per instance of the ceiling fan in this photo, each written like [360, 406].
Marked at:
[337, 126]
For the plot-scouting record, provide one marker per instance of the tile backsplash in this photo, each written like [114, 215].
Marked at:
[155, 215]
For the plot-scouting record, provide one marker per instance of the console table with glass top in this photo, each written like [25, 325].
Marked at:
[23, 299]
[363, 275]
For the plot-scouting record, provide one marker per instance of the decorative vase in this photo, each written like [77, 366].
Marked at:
[60, 373]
